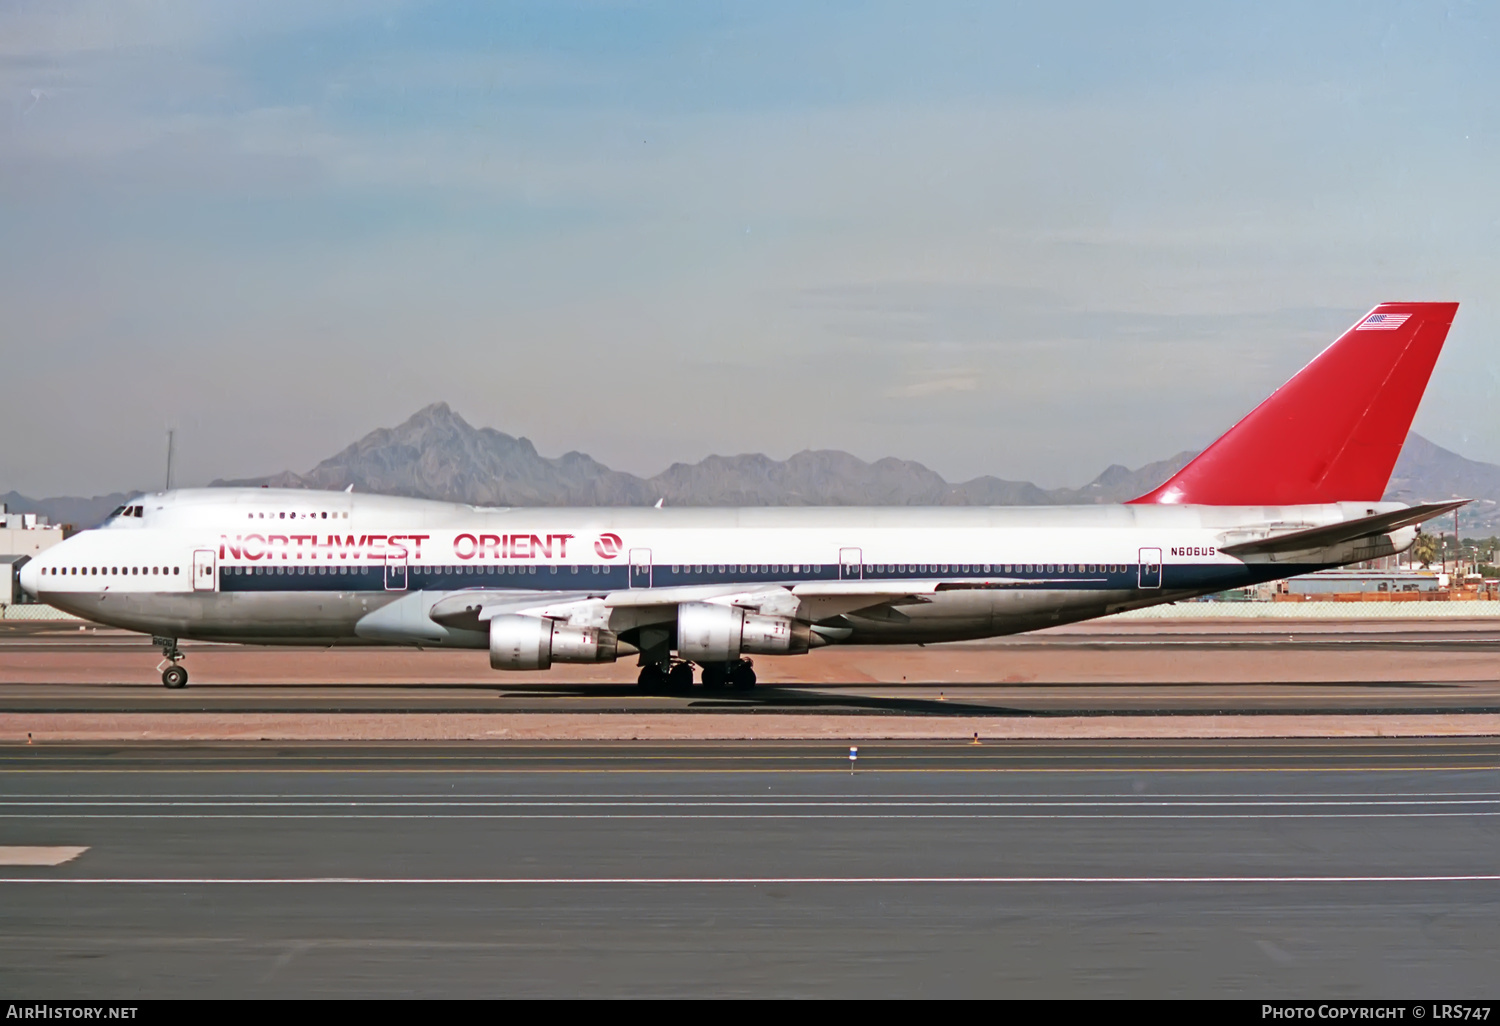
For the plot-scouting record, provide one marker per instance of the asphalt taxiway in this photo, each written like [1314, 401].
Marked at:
[1310, 868]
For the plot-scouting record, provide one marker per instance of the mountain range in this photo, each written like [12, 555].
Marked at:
[436, 454]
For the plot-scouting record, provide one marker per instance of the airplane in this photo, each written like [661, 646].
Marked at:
[1293, 487]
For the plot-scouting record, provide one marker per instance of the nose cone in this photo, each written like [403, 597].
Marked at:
[30, 575]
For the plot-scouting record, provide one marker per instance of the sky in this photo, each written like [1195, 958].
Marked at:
[1028, 240]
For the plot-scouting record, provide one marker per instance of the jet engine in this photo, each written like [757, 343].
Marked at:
[534, 643]
[708, 633]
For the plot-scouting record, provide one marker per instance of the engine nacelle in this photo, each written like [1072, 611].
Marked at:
[709, 633]
[534, 643]
[775, 635]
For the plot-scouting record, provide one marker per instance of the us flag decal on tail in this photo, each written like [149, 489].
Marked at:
[1382, 322]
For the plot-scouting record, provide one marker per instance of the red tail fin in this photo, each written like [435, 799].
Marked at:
[1332, 433]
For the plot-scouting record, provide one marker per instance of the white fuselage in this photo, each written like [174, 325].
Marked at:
[295, 567]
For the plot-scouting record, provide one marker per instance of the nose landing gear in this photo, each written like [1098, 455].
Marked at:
[172, 676]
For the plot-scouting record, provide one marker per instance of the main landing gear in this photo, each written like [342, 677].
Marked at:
[666, 678]
[173, 676]
[677, 678]
[739, 675]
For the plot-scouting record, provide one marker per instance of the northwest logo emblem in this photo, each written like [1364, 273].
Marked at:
[608, 546]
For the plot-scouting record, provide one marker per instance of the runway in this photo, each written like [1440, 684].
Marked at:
[1251, 869]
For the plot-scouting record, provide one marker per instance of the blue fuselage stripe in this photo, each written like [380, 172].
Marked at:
[573, 577]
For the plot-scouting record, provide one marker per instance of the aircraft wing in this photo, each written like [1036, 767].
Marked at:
[1345, 531]
[811, 601]
[472, 610]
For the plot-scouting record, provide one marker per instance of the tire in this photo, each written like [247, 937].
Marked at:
[715, 676]
[680, 679]
[174, 677]
[652, 680]
[742, 677]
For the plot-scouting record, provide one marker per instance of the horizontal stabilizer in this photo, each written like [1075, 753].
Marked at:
[1345, 531]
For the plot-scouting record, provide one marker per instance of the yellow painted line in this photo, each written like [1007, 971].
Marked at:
[841, 771]
[31, 855]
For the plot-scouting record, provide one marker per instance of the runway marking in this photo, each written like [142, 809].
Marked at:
[750, 816]
[34, 855]
[699, 803]
[579, 881]
[754, 771]
[523, 797]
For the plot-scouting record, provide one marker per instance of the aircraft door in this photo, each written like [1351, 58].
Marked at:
[1150, 568]
[851, 565]
[395, 571]
[205, 576]
[640, 568]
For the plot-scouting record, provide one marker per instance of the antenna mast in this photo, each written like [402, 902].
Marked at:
[170, 433]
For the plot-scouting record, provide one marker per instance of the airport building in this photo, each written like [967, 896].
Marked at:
[22, 535]
[1366, 582]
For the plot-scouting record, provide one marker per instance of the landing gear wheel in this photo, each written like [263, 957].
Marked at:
[742, 675]
[715, 676]
[653, 679]
[680, 678]
[173, 676]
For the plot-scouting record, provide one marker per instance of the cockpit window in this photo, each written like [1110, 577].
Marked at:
[132, 510]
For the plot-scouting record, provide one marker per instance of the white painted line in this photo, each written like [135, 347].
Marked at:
[448, 796]
[29, 855]
[753, 881]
